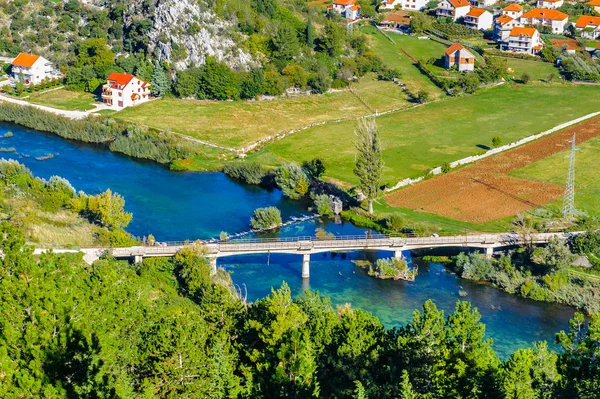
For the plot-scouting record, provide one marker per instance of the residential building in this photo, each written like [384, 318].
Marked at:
[588, 27]
[399, 20]
[454, 9]
[551, 4]
[502, 27]
[513, 10]
[554, 19]
[524, 40]
[413, 5]
[595, 4]
[346, 8]
[458, 55]
[482, 3]
[32, 69]
[479, 18]
[124, 90]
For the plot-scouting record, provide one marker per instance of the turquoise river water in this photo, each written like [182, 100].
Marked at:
[182, 205]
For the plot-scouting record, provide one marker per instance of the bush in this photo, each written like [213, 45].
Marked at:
[388, 74]
[395, 222]
[496, 141]
[292, 180]
[249, 172]
[324, 204]
[474, 267]
[525, 78]
[446, 167]
[266, 218]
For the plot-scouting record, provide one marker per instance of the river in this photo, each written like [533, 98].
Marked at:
[184, 205]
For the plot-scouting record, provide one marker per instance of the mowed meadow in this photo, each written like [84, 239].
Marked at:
[419, 139]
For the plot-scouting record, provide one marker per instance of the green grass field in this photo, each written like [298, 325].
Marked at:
[393, 57]
[64, 99]
[239, 123]
[536, 70]
[554, 170]
[421, 138]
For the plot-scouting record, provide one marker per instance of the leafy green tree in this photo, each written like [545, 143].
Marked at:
[555, 256]
[320, 82]
[310, 34]
[333, 39]
[109, 208]
[252, 83]
[496, 141]
[218, 81]
[369, 159]
[160, 83]
[296, 75]
[292, 180]
[285, 44]
[187, 82]
[95, 53]
[314, 168]
[266, 218]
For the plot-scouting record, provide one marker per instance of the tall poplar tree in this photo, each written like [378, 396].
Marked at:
[369, 160]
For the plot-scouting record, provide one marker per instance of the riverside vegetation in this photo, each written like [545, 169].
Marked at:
[166, 328]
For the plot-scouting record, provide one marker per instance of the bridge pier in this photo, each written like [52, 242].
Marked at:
[138, 259]
[213, 264]
[489, 252]
[398, 254]
[305, 266]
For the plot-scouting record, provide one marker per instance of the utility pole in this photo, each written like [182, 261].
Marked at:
[568, 210]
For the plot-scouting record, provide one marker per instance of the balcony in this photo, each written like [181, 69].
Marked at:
[444, 12]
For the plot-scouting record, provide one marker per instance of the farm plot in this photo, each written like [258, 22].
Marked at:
[486, 191]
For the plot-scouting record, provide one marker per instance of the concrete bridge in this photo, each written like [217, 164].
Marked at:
[306, 246]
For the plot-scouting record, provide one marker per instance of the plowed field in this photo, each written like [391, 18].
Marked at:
[484, 191]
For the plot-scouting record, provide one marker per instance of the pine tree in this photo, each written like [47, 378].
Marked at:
[406, 388]
[369, 161]
[160, 84]
[310, 34]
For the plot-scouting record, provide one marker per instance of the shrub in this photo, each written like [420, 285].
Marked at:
[496, 141]
[314, 169]
[249, 172]
[395, 222]
[292, 180]
[324, 204]
[266, 218]
[446, 167]
[525, 78]
[474, 267]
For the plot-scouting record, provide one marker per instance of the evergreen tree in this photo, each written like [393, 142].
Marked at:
[369, 159]
[406, 388]
[310, 34]
[160, 83]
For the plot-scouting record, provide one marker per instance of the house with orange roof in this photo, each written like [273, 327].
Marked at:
[550, 4]
[479, 18]
[513, 10]
[397, 19]
[32, 69]
[123, 90]
[554, 19]
[588, 27]
[413, 5]
[454, 9]
[503, 24]
[346, 8]
[457, 55]
[595, 4]
[524, 40]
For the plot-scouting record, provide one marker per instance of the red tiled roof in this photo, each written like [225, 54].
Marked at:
[516, 31]
[121, 79]
[514, 7]
[25, 60]
[459, 3]
[586, 20]
[463, 51]
[546, 14]
[354, 8]
[593, 3]
[476, 12]
[344, 2]
[504, 19]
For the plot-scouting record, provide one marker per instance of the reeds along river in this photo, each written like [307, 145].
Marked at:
[182, 205]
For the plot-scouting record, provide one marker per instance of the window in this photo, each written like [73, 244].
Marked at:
[120, 103]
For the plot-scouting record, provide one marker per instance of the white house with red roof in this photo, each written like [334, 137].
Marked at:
[413, 5]
[551, 4]
[346, 8]
[33, 69]
[124, 90]
[554, 19]
[457, 55]
[454, 9]
[503, 25]
[513, 10]
[595, 4]
[524, 40]
[588, 27]
[479, 18]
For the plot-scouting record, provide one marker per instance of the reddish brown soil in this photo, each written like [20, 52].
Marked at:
[559, 43]
[484, 191]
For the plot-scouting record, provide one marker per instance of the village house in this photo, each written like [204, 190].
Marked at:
[513, 10]
[595, 4]
[588, 27]
[398, 20]
[454, 9]
[458, 55]
[524, 40]
[502, 27]
[32, 69]
[346, 8]
[413, 5]
[551, 4]
[482, 3]
[124, 90]
[479, 18]
[554, 19]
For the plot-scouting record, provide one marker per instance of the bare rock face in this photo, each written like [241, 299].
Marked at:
[185, 32]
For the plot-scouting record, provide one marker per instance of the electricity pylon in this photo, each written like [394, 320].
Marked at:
[568, 210]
